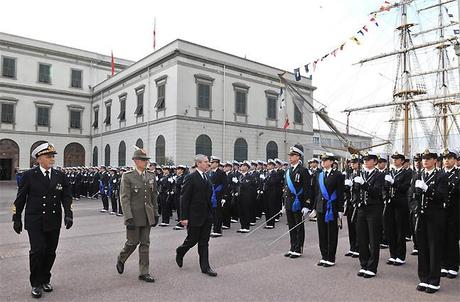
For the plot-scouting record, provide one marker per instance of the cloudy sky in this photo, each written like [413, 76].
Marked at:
[285, 34]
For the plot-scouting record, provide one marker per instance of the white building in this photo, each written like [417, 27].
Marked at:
[181, 100]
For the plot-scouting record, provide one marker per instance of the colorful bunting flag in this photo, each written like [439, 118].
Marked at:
[360, 32]
[354, 39]
[365, 28]
[307, 70]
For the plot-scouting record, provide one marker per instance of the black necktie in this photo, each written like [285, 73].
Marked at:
[47, 176]
[327, 174]
[426, 175]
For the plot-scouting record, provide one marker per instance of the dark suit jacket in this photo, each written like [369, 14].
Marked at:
[301, 179]
[374, 187]
[43, 202]
[195, 200]
[334, 182]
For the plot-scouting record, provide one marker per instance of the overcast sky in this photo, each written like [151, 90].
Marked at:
[285, 34]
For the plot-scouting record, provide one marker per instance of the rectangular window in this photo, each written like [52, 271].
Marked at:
[140, 105]
[297, 115]
[44, 73]
[204, 93]
[76, 78]
[271, 107]
[315, 140]
[96, 119]
[122, 115]
[161, 102]
[9, 67]
[43, 116]
[75, 119]
[240, 101]
[108, 113]
[8, 113]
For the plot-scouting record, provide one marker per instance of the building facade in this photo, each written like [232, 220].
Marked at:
[181, 100]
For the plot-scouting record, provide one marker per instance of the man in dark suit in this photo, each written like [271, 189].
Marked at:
[196, 214]
[297, 204]
[329, 188]
[42, 191]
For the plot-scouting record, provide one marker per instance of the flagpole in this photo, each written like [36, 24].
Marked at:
[154, 33]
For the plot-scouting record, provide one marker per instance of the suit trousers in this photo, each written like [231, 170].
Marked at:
[139, 236]
[328, 237]
[297, 235]
[450, 250]
[42, 254]
[352, 236]
[217, 218]
[197, 235]
[369, 229]
[430, 230]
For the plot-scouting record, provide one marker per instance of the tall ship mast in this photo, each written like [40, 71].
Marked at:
[432, 108]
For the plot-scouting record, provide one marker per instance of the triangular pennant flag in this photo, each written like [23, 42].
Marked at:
[365, 28]
[354, 39]
[360, 32]
[297, 75]
[324, 57]
[334, 52]
[314, 64]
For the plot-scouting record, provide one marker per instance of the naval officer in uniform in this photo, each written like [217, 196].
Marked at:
[43, 191]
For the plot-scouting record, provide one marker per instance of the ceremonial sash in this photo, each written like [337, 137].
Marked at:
[101, 187]
[329, 216]
[296, 206]
[215, 190]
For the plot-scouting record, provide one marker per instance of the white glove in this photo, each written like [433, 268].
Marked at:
[283, 210]
[358, 179]
[305, 212]
[312, 214]
[348, 182]
[222, 202]
[236, 194]
[235, 180]
[340, 215]
[389, 179]
[156, 178]
[421, 185]
[170, 180]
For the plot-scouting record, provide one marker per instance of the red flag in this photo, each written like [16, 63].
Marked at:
[113, 65]
[286, 123]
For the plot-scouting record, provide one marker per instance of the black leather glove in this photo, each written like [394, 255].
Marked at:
[157, 219]
[17, 226]
[130, 224]
[68, 221]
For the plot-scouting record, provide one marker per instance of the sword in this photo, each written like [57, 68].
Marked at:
[278, 239]
[273, 217]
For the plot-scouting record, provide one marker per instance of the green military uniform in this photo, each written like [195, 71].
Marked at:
[138, 196]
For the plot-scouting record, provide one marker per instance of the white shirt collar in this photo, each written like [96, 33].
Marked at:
[295, 166]
[369, 170]
[328, 170]
[449, 170]
[430, 171]
[43, 171]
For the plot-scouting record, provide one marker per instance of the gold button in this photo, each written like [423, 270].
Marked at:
[54, 211]
[43, 212]
[44, 204]
[44, 197]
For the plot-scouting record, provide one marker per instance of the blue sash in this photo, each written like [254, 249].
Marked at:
[296, 206]
[215, 190]
[329, 216]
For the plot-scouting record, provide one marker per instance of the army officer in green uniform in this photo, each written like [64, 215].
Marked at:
[138, 196]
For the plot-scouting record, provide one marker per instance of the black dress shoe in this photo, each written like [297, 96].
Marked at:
[179, 260]
[321, 263]
[368, 276]
[430, 290]
[360, 274]
[120, 267]
[36, 292]
[47, 287]
[210, 272]
[288, 254]
[349, 254]
[355, 256]
[147, 278]
[421, 288]
[294, 256]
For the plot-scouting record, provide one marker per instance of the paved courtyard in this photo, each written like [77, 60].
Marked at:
[249, 269]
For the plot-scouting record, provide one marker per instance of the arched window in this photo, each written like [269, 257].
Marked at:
[140, 143]
[160, 147]
[9, 155]
[272, 150]
[240, 150]
[122, 154]
[74, 155]
[107, 155]
[203, 145]
[95, 156]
